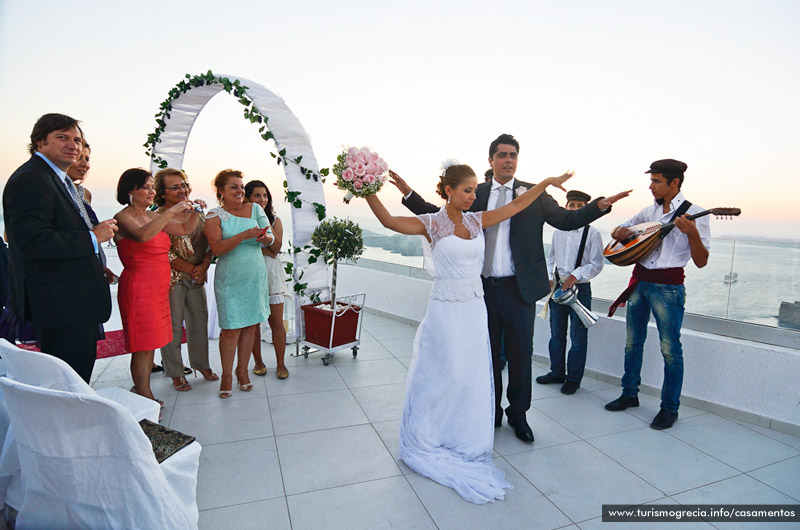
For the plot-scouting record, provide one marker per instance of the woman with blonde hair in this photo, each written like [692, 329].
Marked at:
[235, 232]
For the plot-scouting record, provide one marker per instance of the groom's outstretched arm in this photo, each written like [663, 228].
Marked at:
[411, 199]
[418, 205]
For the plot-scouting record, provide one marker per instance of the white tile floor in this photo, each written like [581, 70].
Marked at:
[319, 451]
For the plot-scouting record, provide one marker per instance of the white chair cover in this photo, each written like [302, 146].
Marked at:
[87, 464]
[41, 369]
[46, 371]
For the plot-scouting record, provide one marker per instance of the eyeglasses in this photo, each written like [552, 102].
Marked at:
[177, 187]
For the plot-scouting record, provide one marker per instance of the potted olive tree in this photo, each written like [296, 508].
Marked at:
[329, 324]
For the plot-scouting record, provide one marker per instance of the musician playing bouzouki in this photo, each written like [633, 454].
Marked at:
[657, 287]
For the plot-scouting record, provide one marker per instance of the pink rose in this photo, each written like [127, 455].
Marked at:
[360, 169]
[357, 184]
[348, 174]
[372, 157]
[361, 156]
[352, 152]
[383, 167]
[369, 178]
[372, 168]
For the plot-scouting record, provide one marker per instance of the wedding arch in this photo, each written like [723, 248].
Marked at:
[166, 147]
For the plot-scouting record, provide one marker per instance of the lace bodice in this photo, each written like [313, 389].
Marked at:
[439, 225]
[455, 263]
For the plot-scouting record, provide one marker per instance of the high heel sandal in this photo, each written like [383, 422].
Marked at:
[212, 377]
[244, 387]
[180, 384]
[225, 394]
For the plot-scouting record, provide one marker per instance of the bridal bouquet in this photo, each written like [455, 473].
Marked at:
[359, 172]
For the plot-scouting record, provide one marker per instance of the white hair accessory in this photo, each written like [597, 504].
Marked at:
[447, 163]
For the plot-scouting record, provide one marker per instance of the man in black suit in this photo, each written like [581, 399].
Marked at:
[515, 271]
[56, 278]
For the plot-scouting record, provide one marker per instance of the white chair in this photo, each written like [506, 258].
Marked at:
[41, 369]
[86, 463]
[46, 371]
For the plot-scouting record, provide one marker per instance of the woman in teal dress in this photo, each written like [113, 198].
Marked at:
[235, 232]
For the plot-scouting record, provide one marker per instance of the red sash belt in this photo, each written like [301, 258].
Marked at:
[673, 276]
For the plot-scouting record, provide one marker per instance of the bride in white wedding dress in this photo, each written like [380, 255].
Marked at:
[447, 432]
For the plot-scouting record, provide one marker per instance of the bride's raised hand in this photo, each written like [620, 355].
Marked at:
[558, 182]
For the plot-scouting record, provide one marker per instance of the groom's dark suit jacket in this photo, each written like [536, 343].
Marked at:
[56, 279]
[527, 249]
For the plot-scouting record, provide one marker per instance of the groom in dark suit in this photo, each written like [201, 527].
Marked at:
[515, 271]
[55, 275]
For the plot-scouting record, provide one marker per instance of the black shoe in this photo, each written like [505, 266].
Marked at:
[664, 420]
[622, 403]
[521, 429]
[570, 387]
[187, 370]
[548, 378]
[156, 368]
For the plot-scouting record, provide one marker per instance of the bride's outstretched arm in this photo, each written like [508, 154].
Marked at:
[404, 225]
[492, 217]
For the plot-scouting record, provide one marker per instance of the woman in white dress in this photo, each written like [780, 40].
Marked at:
[257, 192]
[447, 431]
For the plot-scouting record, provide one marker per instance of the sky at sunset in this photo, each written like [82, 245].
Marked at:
[600, 87]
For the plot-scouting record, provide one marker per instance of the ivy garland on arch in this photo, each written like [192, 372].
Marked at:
[255, 116]
[252, 114]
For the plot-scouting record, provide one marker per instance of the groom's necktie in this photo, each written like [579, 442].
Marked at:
[491, 234]
[84, 214]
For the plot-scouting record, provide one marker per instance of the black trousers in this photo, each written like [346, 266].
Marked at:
[76, 346]
[510, 320]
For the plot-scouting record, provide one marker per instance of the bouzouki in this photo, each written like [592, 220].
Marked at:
[646, 236]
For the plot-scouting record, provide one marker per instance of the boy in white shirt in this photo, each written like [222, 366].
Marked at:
[575, 257]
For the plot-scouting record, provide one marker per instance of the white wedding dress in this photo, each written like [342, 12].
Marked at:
[447, 432]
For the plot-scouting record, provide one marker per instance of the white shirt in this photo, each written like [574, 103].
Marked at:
[564, 252]
[674, 249]
[503, 264]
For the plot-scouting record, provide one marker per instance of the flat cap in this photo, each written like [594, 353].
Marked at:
[575, 195]
[668, 166]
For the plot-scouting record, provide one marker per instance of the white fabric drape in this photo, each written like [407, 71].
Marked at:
[289, 134]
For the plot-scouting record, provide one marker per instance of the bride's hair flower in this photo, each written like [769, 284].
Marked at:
[447, 163]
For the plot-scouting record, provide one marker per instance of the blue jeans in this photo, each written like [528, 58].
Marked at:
[666, 302]
[578, 335]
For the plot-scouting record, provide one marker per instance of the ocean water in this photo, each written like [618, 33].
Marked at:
[768, 273]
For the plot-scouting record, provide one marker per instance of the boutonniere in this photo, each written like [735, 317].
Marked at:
[520, 190]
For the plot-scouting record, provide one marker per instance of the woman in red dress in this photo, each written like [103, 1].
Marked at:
[143, 243]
